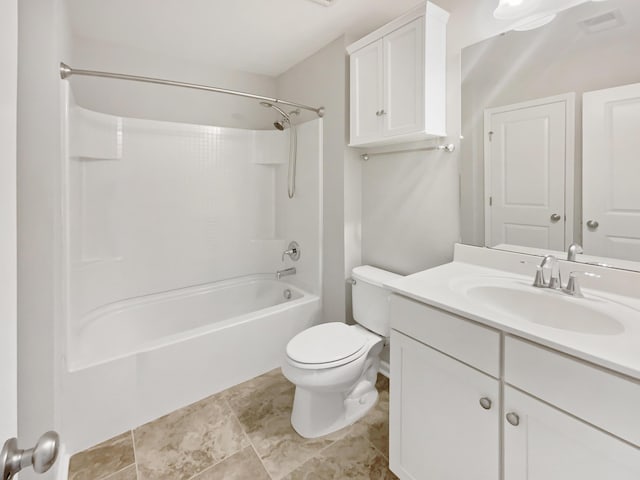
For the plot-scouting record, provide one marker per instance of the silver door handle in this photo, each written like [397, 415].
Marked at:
[485, 403]
[41, 457]
[592, 225]
[556, 217]
[513, 419]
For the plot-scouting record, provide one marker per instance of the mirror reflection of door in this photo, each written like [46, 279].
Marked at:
[528, 157]
[611, 172]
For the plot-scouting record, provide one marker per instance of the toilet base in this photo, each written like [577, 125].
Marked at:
[316, 414]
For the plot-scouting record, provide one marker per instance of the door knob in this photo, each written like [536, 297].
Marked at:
[41, 457]
[592, 225]
[513, 419]
[485, 403]
[556, 217]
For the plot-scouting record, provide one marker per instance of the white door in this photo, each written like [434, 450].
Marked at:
[8, 256]
[529, 173]
[438, 428]
[404, 59]
[548, 444]
[366, 93]
[611, 172]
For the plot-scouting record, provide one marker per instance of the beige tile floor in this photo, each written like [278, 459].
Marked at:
[242, 433]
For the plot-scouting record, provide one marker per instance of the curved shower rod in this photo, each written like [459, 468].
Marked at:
[66, 71]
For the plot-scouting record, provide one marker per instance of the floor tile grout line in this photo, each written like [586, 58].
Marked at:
[135, 455]
[211, 466]
[117, 472]
[386, 457]
[253, 447]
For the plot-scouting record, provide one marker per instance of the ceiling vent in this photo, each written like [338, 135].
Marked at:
[602, 22]
[326, 3]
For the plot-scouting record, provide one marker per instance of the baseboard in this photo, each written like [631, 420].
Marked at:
[384, 368]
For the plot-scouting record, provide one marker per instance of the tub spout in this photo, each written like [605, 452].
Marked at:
[285, 272]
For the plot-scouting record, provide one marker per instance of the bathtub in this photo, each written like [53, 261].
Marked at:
[138, 359]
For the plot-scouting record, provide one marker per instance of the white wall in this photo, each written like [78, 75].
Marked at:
[8, 267]
[141, 100]
[321, 80]
[41, 43]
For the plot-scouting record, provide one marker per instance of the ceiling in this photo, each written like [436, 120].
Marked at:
[258, 36]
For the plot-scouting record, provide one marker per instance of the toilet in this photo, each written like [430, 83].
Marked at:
[334, 366]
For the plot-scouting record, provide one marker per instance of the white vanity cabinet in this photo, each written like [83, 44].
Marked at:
[444, 414]
[397, 83]
[551, 416]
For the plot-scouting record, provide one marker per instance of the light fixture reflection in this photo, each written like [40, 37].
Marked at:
[530, 14]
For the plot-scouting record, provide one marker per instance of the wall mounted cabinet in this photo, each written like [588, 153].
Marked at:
[398, 81]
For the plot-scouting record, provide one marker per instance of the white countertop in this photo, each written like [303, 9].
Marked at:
[443, 287]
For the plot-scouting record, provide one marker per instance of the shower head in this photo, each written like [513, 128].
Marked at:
[280, 125]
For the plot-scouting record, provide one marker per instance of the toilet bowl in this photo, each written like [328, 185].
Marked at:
[335, 366]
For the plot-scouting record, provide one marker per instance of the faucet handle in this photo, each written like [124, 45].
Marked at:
[573, 285]
[538, 282]
[293, 250]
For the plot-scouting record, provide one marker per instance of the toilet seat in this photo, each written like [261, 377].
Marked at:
[325, 346]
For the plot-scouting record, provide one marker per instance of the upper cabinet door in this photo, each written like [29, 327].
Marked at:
[542, 443]
[366, 93]
[611, 141]
[404, 80]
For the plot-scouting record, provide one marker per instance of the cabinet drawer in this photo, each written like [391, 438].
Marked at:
[462, 339]
[600, 397]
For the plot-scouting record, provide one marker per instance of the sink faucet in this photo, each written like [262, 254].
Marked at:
[554, 281]
[285, 272]
[573, 249]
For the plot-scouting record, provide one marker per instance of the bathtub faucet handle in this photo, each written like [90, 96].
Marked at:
[293, 251]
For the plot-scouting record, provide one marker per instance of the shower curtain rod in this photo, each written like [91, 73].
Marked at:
[66, 71]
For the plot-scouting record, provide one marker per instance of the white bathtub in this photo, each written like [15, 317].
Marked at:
[138, 359]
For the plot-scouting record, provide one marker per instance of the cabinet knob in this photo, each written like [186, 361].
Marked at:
[382, 112]
[513, 419]
[485, 403]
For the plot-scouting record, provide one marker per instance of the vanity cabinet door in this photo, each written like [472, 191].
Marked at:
[438, 427]
[543, 443]
[366, 93]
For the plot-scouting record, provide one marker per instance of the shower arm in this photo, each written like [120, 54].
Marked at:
[66, 71]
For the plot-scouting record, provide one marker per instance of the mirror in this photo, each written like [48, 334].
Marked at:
[551, 136]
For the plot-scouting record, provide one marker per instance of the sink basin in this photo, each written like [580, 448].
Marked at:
[547, 308]
[517, 299]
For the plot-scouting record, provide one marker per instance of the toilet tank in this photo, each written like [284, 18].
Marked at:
[370, 299]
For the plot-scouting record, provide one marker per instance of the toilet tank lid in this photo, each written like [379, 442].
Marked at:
[373, 275]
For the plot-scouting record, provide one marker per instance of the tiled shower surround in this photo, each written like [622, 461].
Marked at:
[242, 433]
